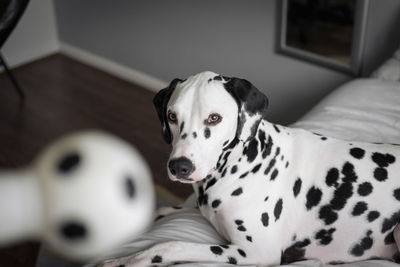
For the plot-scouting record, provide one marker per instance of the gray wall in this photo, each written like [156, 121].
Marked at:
[35, 35]
[383, 34]
[177, 38]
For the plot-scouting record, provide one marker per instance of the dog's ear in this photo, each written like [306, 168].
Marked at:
[252, 105]
[160, 102]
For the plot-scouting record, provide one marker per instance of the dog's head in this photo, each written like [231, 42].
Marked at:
[203, 114]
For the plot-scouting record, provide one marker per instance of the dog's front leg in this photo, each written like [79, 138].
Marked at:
[168, 253]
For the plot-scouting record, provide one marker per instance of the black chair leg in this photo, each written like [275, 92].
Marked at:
[12, 77]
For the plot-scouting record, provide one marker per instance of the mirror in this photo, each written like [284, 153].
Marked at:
[325, 32]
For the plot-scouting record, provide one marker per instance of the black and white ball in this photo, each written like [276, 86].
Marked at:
[92, 192]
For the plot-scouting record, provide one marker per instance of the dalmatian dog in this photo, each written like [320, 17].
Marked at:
[277, 194]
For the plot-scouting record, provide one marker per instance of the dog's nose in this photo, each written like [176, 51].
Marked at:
[181, 167]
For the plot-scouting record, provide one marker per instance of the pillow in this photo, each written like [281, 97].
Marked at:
[390, 70]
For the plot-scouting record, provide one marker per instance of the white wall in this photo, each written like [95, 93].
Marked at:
[175, 38]
[35, 35]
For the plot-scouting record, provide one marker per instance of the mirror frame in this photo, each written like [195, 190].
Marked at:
[357, 47]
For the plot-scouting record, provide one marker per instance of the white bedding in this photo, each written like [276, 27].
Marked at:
[363, 110]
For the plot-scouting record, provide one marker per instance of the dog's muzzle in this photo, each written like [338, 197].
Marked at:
[181, 167]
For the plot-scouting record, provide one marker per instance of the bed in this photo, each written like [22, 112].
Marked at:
[363, 110]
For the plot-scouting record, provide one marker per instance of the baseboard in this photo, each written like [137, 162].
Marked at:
[30, 60]
[116, 69]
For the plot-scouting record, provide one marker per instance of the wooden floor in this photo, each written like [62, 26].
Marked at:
[62, 96]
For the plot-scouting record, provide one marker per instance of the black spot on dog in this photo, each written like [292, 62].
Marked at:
[184, 136]
[325, 236]
[242, 253]
[194, 134]
[202, 198]
[364, 244]
[239, 222]
[210, 183]
[274, 174]
[270, 166]
[237, 192]
[359, 208]
[266, 198]
[278, 151]
[219, 160]
[327, 214]
[332, 177]
[242, 228]
[383, 160]
[268, 148]
[278, 209]
[389, 238]
[349, 173]
[396, 194]
[287, 164]
[216, 250]
[223, 157]
[295, 252]
[313, 197]
[232, 260]
[73, 231]
[261, 138]
[224, 246]
[225, 143]
[297, 187]
[234, 169]
[341, 195]
[265, 219]
[156, 259]
[243, 175]
[373, 215]
[323, 138]
[380, 174]
[365, 189]
[256, 168]
[276, 129]
[181, 127]
[130, 187]
[224, 172]
[251, 150]
[389, 223]
[249, 238]
[218, 78]
[357, 152]
[207, 133]
[69, 162]
[231, 145]
[215, 203]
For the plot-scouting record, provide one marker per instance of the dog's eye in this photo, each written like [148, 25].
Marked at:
[172, 117]
[213, 119]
